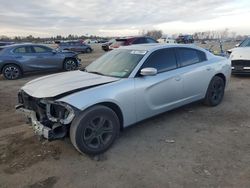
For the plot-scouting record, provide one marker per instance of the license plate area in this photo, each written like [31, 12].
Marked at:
[238, 68]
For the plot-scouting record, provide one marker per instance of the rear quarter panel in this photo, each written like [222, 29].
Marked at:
[222, 65]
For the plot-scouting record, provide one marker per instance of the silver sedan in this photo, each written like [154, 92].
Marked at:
[120, 88]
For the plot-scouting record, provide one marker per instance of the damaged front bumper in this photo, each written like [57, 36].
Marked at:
[39, 128]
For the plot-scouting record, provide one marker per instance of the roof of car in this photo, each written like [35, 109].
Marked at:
[131, 37]
[22, 44]
[154, 46]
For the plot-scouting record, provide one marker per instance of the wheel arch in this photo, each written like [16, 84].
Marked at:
[221, 75]
[116, 109]
[113, 107]
[67, 58]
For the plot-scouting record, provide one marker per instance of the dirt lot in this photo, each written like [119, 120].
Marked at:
[193, 146]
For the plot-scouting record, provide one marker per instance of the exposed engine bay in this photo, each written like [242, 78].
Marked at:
[49, 118]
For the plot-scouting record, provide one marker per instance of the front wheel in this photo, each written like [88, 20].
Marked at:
[94, 130]
[70, 64]
[215, 91]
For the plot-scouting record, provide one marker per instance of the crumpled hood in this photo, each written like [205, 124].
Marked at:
[56, 84]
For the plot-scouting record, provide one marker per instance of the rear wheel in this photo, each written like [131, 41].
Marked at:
[70, 64]
[215, 91]
[94, 130]
[88, 50]
[11, 72]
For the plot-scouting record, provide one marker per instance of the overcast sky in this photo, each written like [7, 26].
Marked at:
[115, 17]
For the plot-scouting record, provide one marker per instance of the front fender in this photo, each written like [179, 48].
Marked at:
[120, 93]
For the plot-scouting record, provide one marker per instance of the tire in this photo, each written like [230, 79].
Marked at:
[88, 50]
[11, 72]
[94, 131]
[69, 64]
[215, 91]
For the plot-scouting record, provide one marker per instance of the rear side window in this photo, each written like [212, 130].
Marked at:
[139, 41]
[41, 49]
[149, 40]
[190, 56]
[162, 60]
[20, 50]
[119, 43]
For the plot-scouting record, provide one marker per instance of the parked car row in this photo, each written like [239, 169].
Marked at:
[76, 46]
[126, 41]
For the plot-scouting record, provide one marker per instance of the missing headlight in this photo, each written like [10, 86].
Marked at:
[59, 112]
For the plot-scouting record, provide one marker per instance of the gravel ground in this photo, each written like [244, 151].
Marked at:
[193, 146]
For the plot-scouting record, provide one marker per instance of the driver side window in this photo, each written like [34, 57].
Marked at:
[162, 60]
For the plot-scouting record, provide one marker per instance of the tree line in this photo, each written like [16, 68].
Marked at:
[225, 34]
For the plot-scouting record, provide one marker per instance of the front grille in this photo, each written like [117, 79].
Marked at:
[243, 63]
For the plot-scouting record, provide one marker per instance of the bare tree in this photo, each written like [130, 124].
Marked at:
[155, 34]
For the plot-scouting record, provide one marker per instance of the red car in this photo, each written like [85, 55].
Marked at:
[126, 41]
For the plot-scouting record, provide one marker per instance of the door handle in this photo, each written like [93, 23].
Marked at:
[208, 68]
[177, 78]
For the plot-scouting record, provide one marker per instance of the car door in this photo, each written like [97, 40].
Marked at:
[46, 58]
[24, 56]
[196, 73]
[156, 94]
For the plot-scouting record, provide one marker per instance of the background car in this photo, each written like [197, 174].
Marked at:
[126, 41]
[166, 39]
[6, 43]
[75, 46]
[106, 45]
[90, 41]
[102, 40]
[185, 39]
[240, 59]
[244, 43]
[18, 59]
[121, 88]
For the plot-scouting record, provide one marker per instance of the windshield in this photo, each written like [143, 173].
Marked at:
[245, 43]
[117, 63]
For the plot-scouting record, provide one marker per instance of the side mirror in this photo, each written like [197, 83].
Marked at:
[148, 71]
[237, 45]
